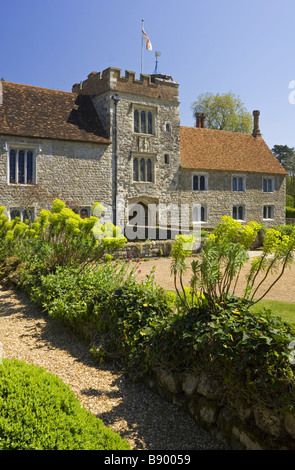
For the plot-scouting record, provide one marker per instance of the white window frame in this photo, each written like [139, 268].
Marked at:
[243, 177]
[199, 174]
[197, 208]
[268, 207]
[268, 178]
[26, 148]
[237, 206]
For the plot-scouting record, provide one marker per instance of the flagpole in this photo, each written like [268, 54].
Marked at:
[141, 47]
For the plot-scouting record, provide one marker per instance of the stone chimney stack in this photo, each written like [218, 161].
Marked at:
[198, 119]
[256, 130]
[201, 120]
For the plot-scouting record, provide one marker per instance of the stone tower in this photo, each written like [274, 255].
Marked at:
[141, 117]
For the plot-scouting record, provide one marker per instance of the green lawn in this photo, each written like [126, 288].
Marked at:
[286, 310]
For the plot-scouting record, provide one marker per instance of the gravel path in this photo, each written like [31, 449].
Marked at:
[283, 290]
[137, 414]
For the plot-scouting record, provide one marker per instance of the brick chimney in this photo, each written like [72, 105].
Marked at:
[256, 130]
[201, 120]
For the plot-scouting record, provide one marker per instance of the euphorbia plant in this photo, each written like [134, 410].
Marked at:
[216, 272]
[62, 237]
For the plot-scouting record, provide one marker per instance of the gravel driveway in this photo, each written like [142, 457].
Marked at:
[132, 410]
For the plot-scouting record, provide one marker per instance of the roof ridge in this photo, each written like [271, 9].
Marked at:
[215, 130]
[37, 87]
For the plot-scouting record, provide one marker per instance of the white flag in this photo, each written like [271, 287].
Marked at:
[148, 43]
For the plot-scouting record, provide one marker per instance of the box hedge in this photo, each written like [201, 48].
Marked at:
[39, 412]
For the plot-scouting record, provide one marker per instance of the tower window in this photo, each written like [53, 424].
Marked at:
[143, 121]
[136, 121]
[143, 170]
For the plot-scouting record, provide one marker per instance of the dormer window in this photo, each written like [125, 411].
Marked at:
[143, 121]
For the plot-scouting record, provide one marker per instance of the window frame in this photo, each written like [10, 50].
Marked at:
[238, 207]
[206, 181]
[268, 179]
[166, 159]
[21, 210]
[25, 148]
[268, 207]
[143, 172]
[239, 177]
[200, 208]
[150, 119]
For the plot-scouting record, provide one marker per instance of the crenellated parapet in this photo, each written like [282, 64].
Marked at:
[154, 86]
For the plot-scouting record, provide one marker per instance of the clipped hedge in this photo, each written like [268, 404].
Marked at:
[39, 412]
[290, 212]
[289, 200]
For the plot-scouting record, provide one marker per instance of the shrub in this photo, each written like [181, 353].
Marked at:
[290, 212]
[39, 412]
[133, 314]
[60, 237]
[285, 229]
[248, 351]
[289, 200]
[69, 294]
[216, 272]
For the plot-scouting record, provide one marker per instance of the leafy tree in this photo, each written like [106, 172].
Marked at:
[285, 155]
[224, 112]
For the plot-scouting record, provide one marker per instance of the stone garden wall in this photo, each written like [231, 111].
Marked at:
[239, 425]
[153, 249]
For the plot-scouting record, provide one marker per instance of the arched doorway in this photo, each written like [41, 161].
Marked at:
[142, 220]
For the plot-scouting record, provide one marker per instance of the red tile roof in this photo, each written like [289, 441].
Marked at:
[30, 111]
[207, 149]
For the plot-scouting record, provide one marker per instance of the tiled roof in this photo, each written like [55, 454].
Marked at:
[207, 149]
[30, 111]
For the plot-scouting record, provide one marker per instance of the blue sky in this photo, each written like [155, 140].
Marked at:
[246, 47]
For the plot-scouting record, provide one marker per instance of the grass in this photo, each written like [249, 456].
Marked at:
[285, 310]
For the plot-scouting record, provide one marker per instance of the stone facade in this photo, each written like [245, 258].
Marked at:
[77, 172]
[141, 162]
[219, 199]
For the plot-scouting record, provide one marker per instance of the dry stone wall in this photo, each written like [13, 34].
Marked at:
[235, 422]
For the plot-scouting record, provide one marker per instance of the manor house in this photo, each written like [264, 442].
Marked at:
[117, 138]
